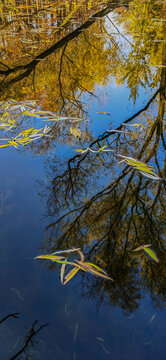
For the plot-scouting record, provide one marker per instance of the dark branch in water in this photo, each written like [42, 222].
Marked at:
[15, 316]
[32, 333]
[107, 134]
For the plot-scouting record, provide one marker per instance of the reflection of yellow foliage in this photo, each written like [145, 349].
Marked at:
[59, 80]
[143, 22]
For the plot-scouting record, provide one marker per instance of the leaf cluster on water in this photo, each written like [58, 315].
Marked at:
[76, 265]
[145, 169]
[12, 112]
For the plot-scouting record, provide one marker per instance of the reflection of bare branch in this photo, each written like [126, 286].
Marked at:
[15, 316]
[124, 37]
[31, 335]
[113, 220]
[1, 63]
[59, 77]
[107, 134]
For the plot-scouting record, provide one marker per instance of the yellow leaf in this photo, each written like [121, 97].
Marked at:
[75, 132]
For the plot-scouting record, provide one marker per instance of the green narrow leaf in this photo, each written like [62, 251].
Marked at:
[79, 150]
[71, 274]
[102, 148]
[76, 132]
[5, 145]
[86, 267]
[50, 257]
[146, 170]
[58, 259]
[96, 267]
[151, 253]
[104, 113]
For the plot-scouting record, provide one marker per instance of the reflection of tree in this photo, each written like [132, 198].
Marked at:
[66, 74]
[109, 222]
[146, 23]
[34, 330]
[106, 221]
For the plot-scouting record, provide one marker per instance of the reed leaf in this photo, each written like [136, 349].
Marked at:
[91, 268]
[146, 170]
[151, 254]
[71, 274]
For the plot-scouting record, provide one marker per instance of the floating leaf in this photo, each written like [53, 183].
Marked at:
[93, 151]
[77, 265]
[104, 113]
[62, 272]
[80, 150]
[92, 269]
[102, 148]
[71, 274]
[50, 257]
[151, 254]
[145, 169]
[5, 145]
[135, 125]
[68, 251]
[75, 132]
[141, 247]
[54, 258]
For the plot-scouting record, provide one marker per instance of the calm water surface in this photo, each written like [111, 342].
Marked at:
[83, 69]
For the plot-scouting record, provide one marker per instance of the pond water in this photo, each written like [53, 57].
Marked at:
[83, 164]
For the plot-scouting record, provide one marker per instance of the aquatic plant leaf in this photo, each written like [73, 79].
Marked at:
[80, 150]
[146, 170]
[91, 268]
[135, 125]
[58, 259]
[96, 267]
[151, 254]
[5, 145]
[141, 247]
[93, 151]
[76, 265]
[75, 132]
[50, 257]
[81, 254]
[102, 148]
[68, 251]
[62, 272]
[104, 113]
[151, 176]
[71, 274]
